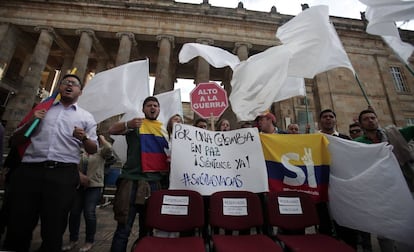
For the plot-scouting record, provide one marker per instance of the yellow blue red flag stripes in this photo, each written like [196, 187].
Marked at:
[153, 143]
[297, 162]
[46, 105]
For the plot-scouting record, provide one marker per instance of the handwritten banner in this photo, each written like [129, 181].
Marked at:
[210, 161]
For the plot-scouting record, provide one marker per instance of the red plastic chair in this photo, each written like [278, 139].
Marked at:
[177, 211]
[297, 211]
[239, 211]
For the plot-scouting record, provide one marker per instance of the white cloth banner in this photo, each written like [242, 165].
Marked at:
[210, 161]
[116, 91]
[367, 190]
[261, 80]
[310, 46]
[382, 15]
[314, 44]
[215, 56]
[402, 49]
[170, 104]
[257, 82]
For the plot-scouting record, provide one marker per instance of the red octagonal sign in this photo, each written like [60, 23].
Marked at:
[208, 99]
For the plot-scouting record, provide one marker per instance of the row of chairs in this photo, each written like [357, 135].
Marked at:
[235, 223]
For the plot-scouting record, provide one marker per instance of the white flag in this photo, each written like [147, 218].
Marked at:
[215, 56]
[170, 104]
[261, 80]
[314, 44]
[257, 82]
[382, 14]
[116, 91]
[367, 190]
[402, 49]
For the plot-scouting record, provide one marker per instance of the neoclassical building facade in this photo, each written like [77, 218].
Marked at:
[42, 39]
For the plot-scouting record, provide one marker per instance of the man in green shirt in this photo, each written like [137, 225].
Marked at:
[399, 139]
[134, 185]
[373, 134]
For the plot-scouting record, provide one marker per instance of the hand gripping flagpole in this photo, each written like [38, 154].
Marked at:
[36, 121]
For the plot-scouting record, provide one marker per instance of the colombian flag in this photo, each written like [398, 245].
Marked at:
[46, 105]
[153, 143]
[297, 162]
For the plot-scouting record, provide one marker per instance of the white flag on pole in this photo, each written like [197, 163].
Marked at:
[215, 56]
[382, 15]
[261, 80]
[257, 82]
[402, 49]
[314, 44]
[369, 194]
[116, 91]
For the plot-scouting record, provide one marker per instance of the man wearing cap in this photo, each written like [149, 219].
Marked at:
[266, 123]
[44, 184]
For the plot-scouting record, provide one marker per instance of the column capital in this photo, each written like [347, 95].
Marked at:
[46, 28]
[205, 41]
[240, 44]
[130, 35]
[90, 32]
[170, 38]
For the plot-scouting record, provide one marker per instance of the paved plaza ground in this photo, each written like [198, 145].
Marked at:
[103, 238]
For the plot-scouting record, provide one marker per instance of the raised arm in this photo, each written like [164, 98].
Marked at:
[120, 128]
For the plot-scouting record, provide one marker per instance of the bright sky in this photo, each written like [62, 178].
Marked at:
[338, 8]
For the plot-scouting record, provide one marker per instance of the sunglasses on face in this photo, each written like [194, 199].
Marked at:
[355, 131]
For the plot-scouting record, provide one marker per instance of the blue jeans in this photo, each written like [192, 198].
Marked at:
[86, 201]
[122, 232]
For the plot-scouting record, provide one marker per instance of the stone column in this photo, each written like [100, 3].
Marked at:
[24, 100]
[126, 40]
[50, 79]
[82, 53]
[162, 77]
[8, 43]
[242, 50]
[25, 65]
[4, 27]
[203, 68]
[66, 66]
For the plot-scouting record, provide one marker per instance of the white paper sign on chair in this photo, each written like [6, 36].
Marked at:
[235, 206]
[289, 205]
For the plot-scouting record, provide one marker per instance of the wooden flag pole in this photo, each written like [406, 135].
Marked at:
[306, 109]
[409, 69]
[362, 89]
[212, 122]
